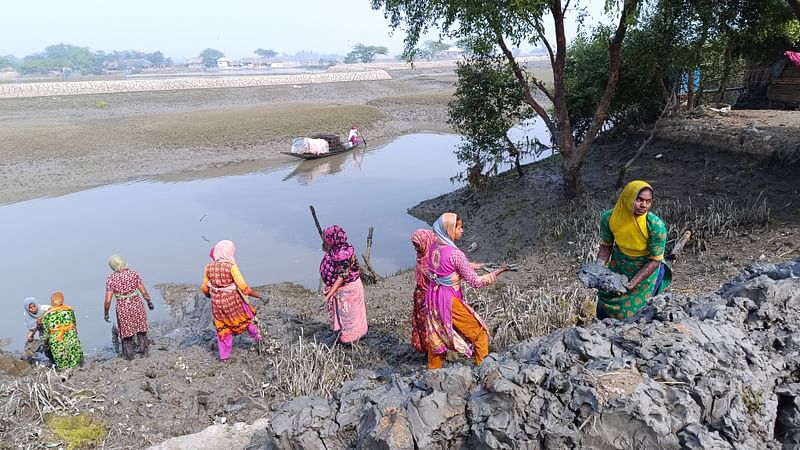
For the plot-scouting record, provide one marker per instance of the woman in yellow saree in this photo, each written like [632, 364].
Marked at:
[632, 243]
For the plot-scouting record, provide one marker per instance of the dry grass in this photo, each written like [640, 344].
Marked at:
[27, 401]
[214, 129]
[309, 368]
[515, 315]
[427, 99]
[577, 223]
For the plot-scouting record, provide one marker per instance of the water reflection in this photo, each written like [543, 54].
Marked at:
[308, 170]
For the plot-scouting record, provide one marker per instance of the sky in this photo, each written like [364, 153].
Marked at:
[182, 29]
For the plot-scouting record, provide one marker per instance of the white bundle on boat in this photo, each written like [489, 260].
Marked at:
[308, 145]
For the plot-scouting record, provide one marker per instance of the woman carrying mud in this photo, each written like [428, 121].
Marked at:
[227, 288]
[632, 243]
[59, 325]
[452, 324]
[421, 239]
[344, 293]
[126, 287]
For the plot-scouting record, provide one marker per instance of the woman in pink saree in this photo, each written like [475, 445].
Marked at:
[452, 324]
[344, 293]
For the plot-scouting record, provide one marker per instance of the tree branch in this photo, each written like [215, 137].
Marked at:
[525, 85]
[795, 4]
[600, 113]
[624, 170]
[566, 144]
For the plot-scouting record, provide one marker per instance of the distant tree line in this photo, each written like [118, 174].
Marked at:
[61, 57]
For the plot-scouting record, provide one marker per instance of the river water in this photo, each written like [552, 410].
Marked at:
[166, 229]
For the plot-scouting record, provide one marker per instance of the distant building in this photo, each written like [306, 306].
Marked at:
[194, 63]
[224, 63]
[453, 53]
[137, 64]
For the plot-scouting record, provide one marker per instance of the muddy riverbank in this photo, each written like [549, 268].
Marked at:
[743, 207]
[56, 145]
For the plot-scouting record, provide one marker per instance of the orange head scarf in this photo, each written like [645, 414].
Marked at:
[630, 232]
[57, 299]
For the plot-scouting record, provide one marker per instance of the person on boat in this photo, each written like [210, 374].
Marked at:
[632, 243]
[33, 313]
[353, 138]
[452, 324]
[126, 287]
[422, 240]
[60, 327]
[344, 293]
[224, 284]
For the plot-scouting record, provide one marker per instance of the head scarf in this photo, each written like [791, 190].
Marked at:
[57, 299]
[224, 251]
[337, 251]
[423, 238]
[444, 228]
[211, 253]
[630, 232]
[30, 319]
[117, 263]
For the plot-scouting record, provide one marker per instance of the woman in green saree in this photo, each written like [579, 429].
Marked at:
[59, 327]
[632, 243]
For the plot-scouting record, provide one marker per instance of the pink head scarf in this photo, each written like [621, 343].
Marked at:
[224, 251]
[338, 252]
[423, 238]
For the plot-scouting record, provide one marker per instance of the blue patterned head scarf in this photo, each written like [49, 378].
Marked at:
[445, 225]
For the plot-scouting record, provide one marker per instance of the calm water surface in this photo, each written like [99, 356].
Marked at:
[165, 230]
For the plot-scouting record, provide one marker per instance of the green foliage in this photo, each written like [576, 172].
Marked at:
[676, 36]
[5, 62]
[365, 53]
[639, 96]
[266, 52]
[77, 431]
[432, 49]
[488, 102]
[210, 57]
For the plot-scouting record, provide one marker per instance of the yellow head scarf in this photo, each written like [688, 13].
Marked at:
[630, 232]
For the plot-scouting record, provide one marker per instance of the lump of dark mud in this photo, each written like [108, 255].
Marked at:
[596, 276]
[711, 371]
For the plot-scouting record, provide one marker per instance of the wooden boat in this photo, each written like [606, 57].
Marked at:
[335, 145]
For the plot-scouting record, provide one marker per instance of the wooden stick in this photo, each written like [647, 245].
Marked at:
[681, 243]
[316, 221]
[319, 230]
[366, 256]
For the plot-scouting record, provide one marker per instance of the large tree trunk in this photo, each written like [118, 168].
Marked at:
[561, 128]
[572, 178]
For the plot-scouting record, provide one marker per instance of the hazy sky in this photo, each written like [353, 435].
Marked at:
[183, 29]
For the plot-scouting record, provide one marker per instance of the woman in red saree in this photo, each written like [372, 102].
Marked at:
[421, 239]
[227, 288]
